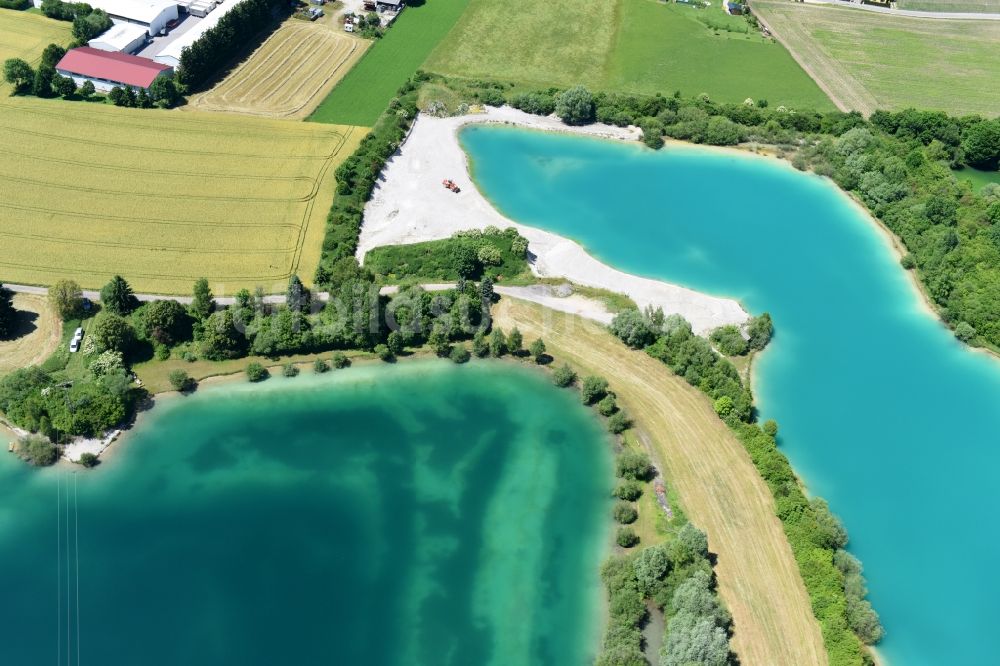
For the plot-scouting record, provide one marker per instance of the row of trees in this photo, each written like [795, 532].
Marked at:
[832, 578]
[87, 21]
[356, 178]
[203, 59]
[8, 315]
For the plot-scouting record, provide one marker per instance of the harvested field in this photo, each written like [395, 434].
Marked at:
[289, 75]
[37, 334]
[865, 61]
[24, 35]
[162, 197]
[711, 471]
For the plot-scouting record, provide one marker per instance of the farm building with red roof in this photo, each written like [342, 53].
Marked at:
[107, 69]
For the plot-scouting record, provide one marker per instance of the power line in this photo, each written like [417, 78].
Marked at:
[69, 630]
[76, 511]
[58, 572]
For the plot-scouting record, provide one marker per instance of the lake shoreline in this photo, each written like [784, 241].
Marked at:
[409, 205]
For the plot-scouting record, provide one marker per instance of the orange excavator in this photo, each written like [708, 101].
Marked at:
[450, 184]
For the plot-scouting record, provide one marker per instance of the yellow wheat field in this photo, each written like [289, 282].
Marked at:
[162, 197]
[288, 75]
[24, 35]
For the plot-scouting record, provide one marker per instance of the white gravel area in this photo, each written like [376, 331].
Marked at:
[410, 205]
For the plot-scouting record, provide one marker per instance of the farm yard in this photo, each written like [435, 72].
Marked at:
[24, 35]
[288, 75]
[640, 46]
[87, 191]
[866, 61]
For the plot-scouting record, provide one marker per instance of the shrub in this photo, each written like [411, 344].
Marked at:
[489, 256]
[632, 328]
[180, 380]
[290, 370]
[619, 423]
[628, 490]
[633, 465]
[89, 460]
[256, 372]
[340, 360]
[593, 389]
[37, 450]
[729, 340]
[564, 376]
[626, 537]
[575, 106]
[321, 366]
[384, 353]
[459, 354]
[607, 406]
[964, 331]
[537, 351]
[759, 331]
[908, 262]
[625, 513]
[480, 347]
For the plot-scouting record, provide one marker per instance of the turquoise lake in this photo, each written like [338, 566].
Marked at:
[881, 410]
[423, 513]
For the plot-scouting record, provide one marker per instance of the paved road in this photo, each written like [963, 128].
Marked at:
[541, 294]
[968, 16]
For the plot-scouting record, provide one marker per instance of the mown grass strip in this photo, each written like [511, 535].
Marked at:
[362, 95]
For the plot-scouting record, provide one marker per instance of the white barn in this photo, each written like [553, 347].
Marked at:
[121, 37]
[151, 14]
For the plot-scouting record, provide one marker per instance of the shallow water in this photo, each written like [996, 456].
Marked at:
[417, 514]
[881, 411]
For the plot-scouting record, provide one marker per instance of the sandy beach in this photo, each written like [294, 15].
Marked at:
[409, 205]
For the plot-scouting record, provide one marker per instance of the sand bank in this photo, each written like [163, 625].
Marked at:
[409, 205]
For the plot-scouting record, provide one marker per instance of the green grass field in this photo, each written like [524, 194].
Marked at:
[641, 46]
[977, 6]
[978, 179]
[867, 61]
[362, 95]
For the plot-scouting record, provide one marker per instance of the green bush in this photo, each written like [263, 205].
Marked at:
[89, 460]
[607, 406]
[564, 376]
[320, 366]
[37, 450]
[384, 353]
[729, 340]
[625, 513]
[340, 360]
[619, 423]
[290, 370]
[593, 389]
[626, 537]
[633, 465]
[575, 106]
[459, 354]
[180, 380]
[256, 372]
[628, 490]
